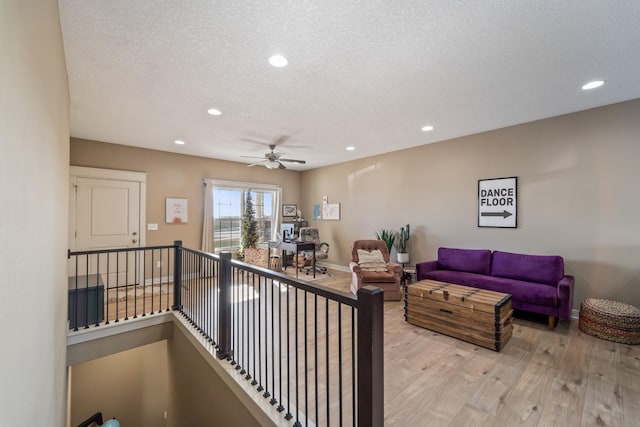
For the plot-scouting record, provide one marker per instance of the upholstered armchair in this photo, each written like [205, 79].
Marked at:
[370, 266]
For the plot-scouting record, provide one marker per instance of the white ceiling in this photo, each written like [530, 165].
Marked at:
[363, 73]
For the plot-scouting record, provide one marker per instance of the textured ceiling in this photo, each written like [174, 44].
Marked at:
[363, 73]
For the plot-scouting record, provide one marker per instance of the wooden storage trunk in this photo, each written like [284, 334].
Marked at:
[475, 315]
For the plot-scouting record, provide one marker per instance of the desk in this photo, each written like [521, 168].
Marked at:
[294, 247]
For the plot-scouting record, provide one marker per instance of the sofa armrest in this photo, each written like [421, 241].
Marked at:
[565, 297]
[394, 267]
[425, 267]
[354, 267]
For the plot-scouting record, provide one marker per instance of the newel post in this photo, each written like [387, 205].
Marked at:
[370, 357]
[224, 307]
[177, 275]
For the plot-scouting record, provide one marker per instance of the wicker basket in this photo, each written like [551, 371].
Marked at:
[610, 320]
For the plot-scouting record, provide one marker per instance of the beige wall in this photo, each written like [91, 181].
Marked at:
[132, 386]
[199, 397]
[34, 168]
[577, 181]
[176, 175]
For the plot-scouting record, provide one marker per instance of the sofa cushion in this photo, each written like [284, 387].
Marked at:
[469, 260]
[378, 277]
[547, 269]
[534, 293]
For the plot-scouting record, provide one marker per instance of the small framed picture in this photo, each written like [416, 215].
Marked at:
[176, 211]
[289, 210]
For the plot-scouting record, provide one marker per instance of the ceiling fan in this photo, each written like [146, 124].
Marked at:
[273, 160]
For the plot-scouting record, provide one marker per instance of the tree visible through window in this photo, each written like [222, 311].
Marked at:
[228, 207]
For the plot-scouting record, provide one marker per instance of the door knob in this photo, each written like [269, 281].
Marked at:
[134, 241]
[134, 233]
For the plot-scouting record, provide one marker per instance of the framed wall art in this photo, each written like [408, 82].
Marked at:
[331, 211]
[498, 202]
[289, 210]
[176, 211]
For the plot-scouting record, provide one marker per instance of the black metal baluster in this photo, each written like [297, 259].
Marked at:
[107, 290]
[297, 350]
[143, 273]
[273, 400]
[253, 326]
[241, 302]
[136, 283]
[280, 407]
[204, 266]
[126, 286]
[153, 269]
[75, 298]
[245, 327]
[235, 320]
[353, 367]
[86, 293]
[266, 338]
[162, 263]
[288, 416]
[327, 359]
[315, 349]
[117, 287]
[97, 289]
[340, 363]
[259, 333]
[306, 366]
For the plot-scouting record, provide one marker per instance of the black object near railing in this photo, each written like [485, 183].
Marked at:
[314, 353]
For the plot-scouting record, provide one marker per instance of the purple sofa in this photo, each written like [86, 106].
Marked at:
[537, 283]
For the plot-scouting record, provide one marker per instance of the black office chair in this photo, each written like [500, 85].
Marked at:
[310, 234]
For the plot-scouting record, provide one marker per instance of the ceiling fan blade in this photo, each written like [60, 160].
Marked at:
[302, 162]
[281, 166]
[256, 163]
[280, 139]
[252, 157]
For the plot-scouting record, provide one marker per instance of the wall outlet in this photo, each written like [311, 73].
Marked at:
[159, 264]
[152, 227]
[165, 415]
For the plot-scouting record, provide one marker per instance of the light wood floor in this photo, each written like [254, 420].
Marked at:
[541, 378]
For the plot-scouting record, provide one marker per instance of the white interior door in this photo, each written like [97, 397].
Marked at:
[107, 213]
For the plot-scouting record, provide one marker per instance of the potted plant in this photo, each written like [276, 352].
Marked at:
[249, 251]
[403, 238]
[389, 236]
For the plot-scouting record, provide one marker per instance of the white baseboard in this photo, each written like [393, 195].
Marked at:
[344, 268]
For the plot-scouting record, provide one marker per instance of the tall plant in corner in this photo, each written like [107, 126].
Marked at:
[249, 238]
[388, 236]
[403, 238]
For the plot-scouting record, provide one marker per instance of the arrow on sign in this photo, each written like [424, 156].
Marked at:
[503, 214]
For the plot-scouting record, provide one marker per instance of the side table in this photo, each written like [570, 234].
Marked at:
[408, 275]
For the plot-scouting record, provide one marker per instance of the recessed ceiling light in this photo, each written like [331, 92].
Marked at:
[214, 111]
[351, 148]
[278, 61]
[178, 142]
[427, 128]
[592, 85]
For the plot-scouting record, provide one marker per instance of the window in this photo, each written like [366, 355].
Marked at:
[228, 203]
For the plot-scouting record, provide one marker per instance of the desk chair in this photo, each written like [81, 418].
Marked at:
[310, 234]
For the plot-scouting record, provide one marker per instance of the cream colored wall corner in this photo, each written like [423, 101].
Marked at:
[34, 172]
[577, 183]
